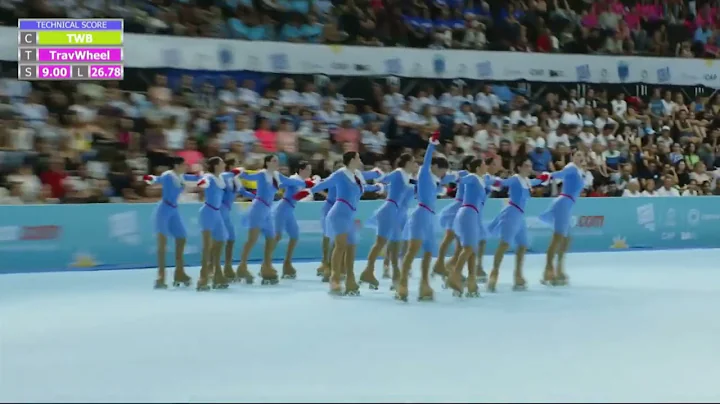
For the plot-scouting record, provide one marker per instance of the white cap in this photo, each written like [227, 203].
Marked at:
[589, 123]
[540, 143]
[665, 127]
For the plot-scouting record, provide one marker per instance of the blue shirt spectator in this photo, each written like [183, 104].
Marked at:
[540, 156]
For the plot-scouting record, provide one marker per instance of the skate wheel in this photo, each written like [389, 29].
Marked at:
[352, 293]
[392, 288]
[444, 285]
[519, 288]
[373, 287]
[325, 280]
[457, 293]
[472, 294]
[426, 299]
[160, 286]
[401, 298]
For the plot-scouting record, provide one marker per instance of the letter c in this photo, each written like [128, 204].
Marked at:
[28, 36]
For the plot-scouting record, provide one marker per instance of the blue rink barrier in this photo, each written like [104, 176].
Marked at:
[39, 238]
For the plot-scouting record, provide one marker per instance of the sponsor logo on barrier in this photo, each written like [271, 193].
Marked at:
[667, 236]
[589, 221]
[619, 243]
[686, 235]
[646, 216]
[29, 233]
[124, 227]
[671, 218]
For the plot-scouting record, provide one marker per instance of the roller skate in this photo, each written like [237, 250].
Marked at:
[322, 269]
[520, 284]
[401, 289]
[289, 272]
[335, 286]
[229, 274]
[439, 269]
[269, 276]
[472, 287]
[219, 281]
[327, 274]
[202, 284]
[160, 283]
[244, 275]
[560, 279]
[480, 275]
[426, 293]
[181, 279]
[548, 278]
[492, 281]
[351, 286]
[386, 272]
[454, 282]
[368, 276]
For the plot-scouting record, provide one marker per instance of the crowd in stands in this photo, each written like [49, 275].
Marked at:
[657, 27]
[87, 142]
[92, 142]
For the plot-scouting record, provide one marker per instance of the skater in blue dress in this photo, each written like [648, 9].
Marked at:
[233, 188]
[394, 248]
[468, 226]
[214, 232]
[510, 225]
[284, 215]
[167, 220]
[422, 222]
[559, 215]
[386, 218]
[258, 218]
[447, 218]
[340, 221]
[325, 268]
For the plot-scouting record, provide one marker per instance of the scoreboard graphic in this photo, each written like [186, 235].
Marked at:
[70, 49]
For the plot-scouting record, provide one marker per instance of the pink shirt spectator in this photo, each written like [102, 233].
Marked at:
[376, 4]
[589, 20]
[705, 17]
[191, 157]
[268, 139]
[287, 142]
[348, 137]
[617, 7]
[632, 19]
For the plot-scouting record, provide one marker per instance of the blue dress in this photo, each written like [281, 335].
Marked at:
[284, 210]
[233, 187]
[386, 219]
[166, 218]
[422, 221]
[559, 214]
[210, 217]
[349, 188]
[259, 216]
[510, 225]
[468, 223]
[448, 213]
[332, 196]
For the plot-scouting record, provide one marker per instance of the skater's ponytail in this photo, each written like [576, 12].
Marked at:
[440, 162]
[489, 161]
[404, 159]
[176, 161]
[230, 164]
[474, 164]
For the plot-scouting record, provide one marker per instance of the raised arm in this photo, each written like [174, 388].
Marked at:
[427, 159]
[389, 178]
[329, 182]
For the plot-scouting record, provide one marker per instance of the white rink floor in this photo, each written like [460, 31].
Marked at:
[634, 326]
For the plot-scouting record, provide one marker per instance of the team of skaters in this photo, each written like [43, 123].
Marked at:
[406, 223]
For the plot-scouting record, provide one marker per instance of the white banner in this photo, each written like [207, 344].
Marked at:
[154, 51]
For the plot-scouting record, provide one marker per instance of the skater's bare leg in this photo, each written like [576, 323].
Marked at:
[456, 254]
[337, 261]
[242, 269]
[560, 275]
[266, 270]
[520, 283]
[351, 286]
[368, 275]
[181, 278]
[497, 261]
[454, 279]
[219, 280]
[206, 261]
[325, 263]
[472, 282]
[288, 268]
[480, 272]
[228, 270]
[402, 284]
[425, 292]
[161, 251]
[439, 267]
[553, 250]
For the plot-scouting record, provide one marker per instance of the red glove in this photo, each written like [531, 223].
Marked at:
[237, 170]
[309, 183]
[544, 177]
[301, 195]
[149, 179]
[435, 138]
